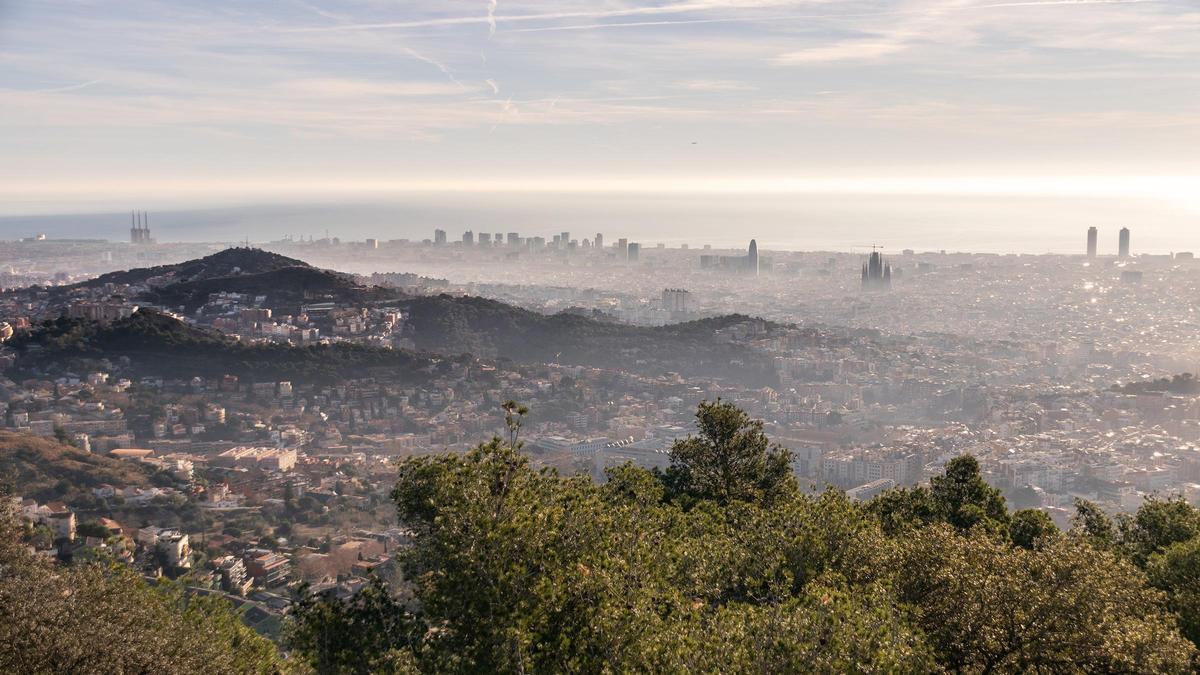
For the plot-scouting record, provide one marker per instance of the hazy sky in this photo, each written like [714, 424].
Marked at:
[192, 103]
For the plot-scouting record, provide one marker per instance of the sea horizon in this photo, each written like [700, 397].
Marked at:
[974, 224]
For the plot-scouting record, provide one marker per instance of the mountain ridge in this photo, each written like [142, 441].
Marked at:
[451, 324]
[225, 263]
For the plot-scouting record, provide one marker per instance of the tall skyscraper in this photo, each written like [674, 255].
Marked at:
[485, 239]
[514, 238]
[752, 259]
[1123, 243]
[1092, 235]
[468, 238]
[623, 248]
[876, 274]
[634, 251]
[599, 240]
[565, 239]
[439, 237]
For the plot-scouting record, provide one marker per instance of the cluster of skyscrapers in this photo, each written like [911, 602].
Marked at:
[1122, 242]
[750, 264]
[562, 241]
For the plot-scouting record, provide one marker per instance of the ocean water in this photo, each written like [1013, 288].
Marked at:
[786, 222]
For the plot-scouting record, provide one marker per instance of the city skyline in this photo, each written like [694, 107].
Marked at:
[999, 227]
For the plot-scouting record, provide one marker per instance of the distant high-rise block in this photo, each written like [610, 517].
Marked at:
[599, 240]
[468, 237]
[1123, 243]
[439, 237]
[633, 251]
[623, 248]
[514, 238]
[752, 259]
[1091, 242]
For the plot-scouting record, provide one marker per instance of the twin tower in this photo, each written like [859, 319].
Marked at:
[1122, 242]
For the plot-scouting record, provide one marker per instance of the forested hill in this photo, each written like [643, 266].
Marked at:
[286, 283]
[286, 289]
[158, 344]
[226, 263]
[439, 324]
[449, 324]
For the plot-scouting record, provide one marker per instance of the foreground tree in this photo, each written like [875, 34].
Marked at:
[1176, 571]
[521, 570]
[370, 633]
[102, 618]
[965, 500]
[827, 629]
[516, 569]
[721, 565]
[1031, 527]
[1092, 525]
[986, 606]
[731, 459]
[959, 496]
[1158, 524]
[903, 509]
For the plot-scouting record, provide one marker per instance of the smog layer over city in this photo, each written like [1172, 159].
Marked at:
[621, 336]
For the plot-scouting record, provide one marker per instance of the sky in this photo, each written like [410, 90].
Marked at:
[193, 104]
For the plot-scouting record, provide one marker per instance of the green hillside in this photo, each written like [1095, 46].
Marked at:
[45, 469]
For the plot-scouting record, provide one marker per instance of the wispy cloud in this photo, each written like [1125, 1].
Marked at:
[491, 18]
[445, 70]
[639, 24]
[715, 85]
[844, 50]
[69, 87]
[359, 88]
[941, 21]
